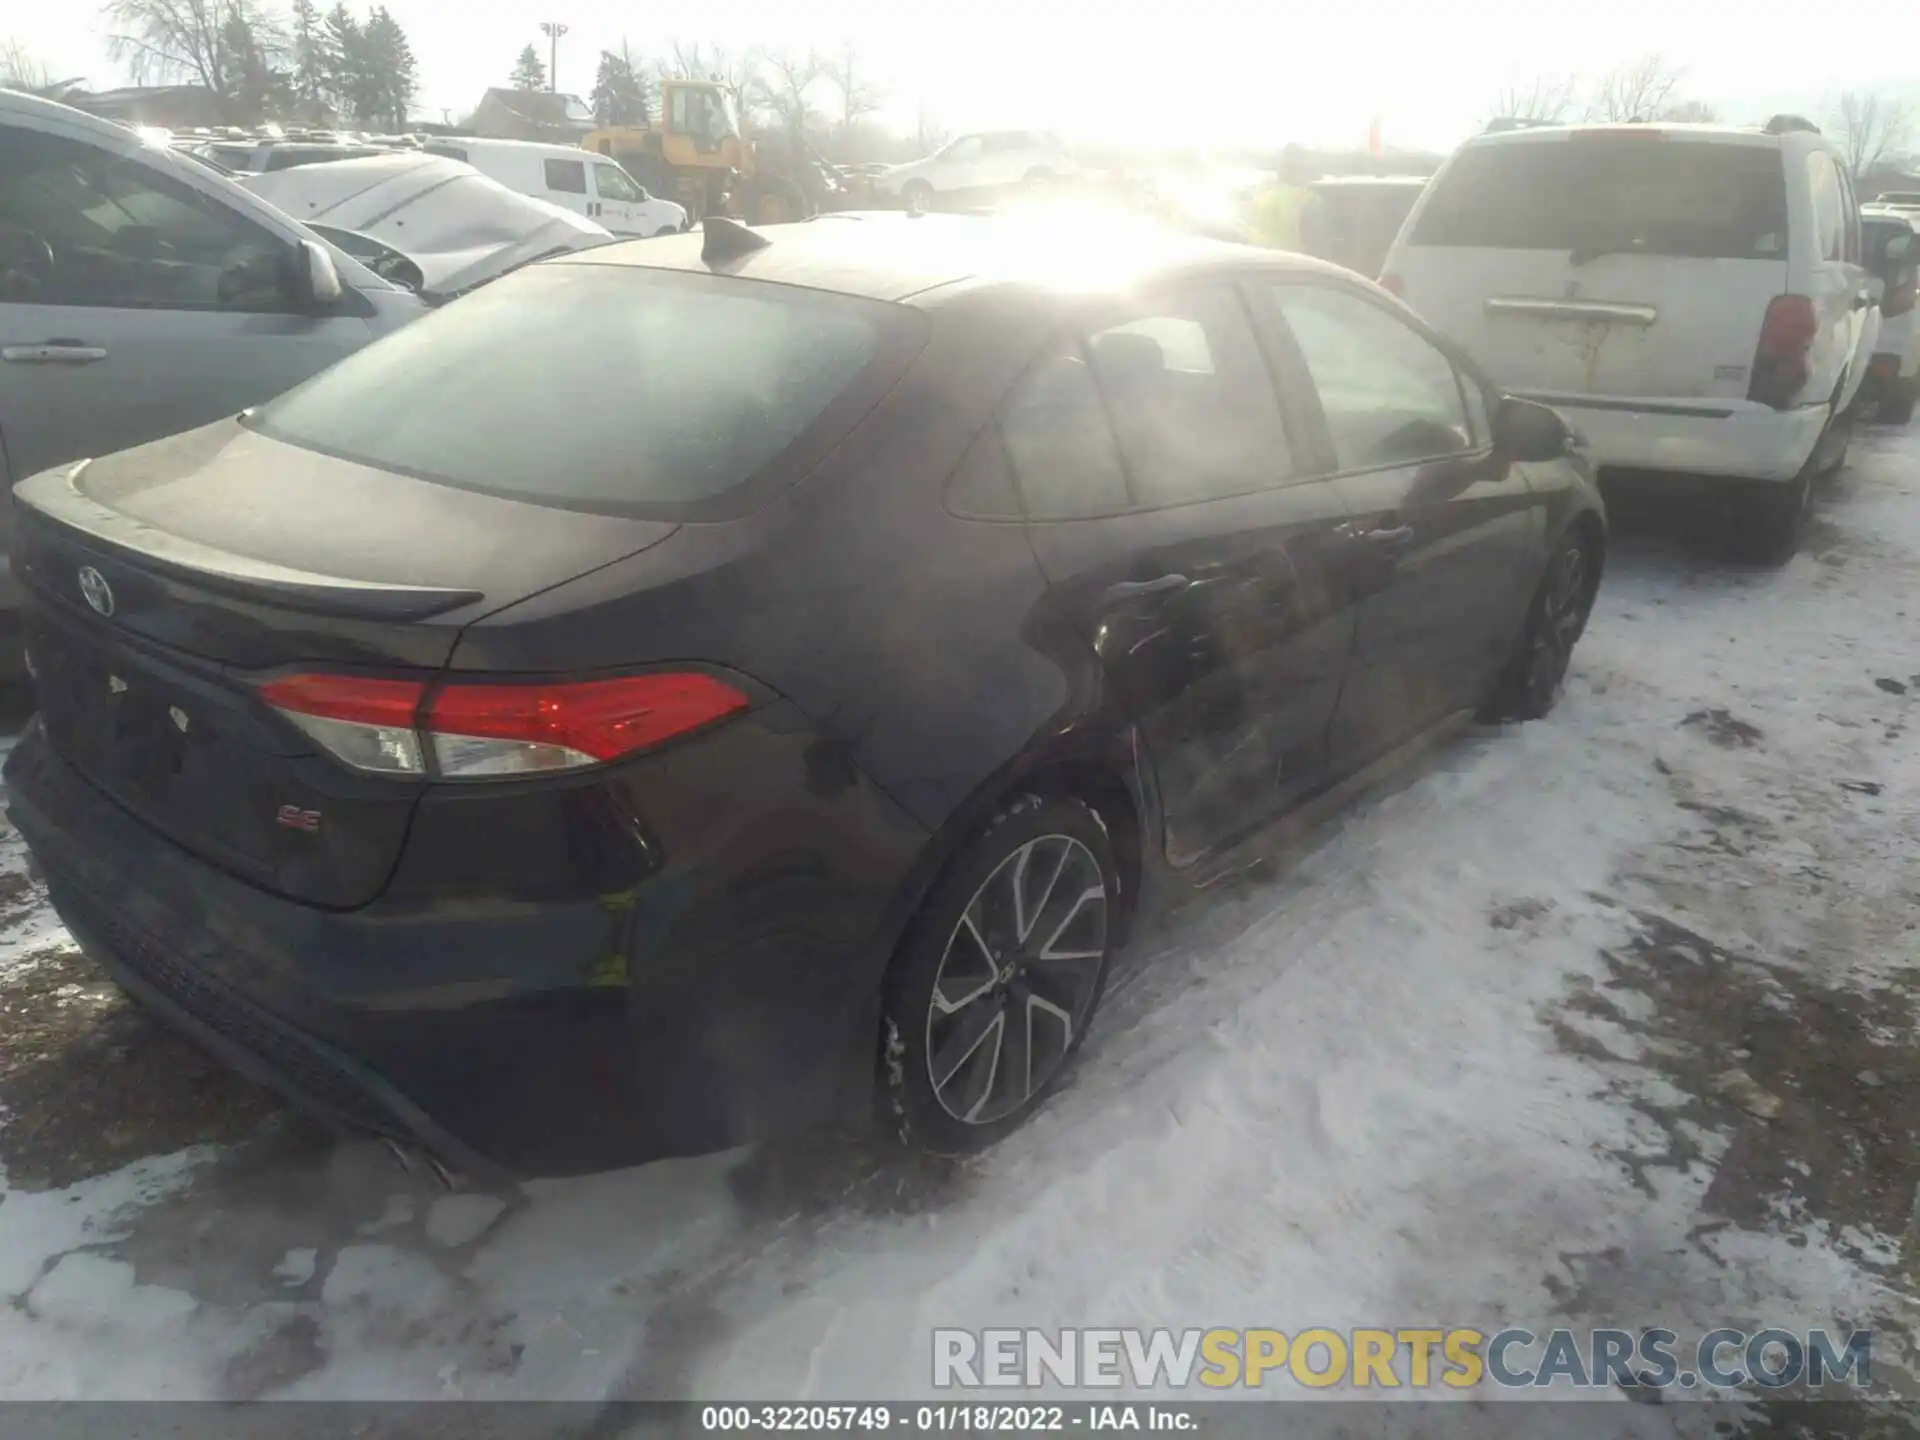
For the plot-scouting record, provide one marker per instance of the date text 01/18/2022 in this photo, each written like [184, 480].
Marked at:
[961, 1419]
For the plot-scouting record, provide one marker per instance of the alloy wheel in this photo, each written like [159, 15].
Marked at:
[1564, 600]
[1017, 979]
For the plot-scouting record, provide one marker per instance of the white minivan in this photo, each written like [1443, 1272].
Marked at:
[572, 178]
[1692, 297]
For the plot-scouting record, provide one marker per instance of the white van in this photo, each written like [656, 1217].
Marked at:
[575, 179]
[1692, 297]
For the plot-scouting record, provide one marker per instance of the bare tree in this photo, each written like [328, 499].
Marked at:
[21, 69]
[189, 39]
[1641, 90]
[1691, 112]
[785, 89]
[858, 97]
[1545, 97]
[1872, 126]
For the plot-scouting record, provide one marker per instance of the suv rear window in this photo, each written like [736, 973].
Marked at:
[1600, 194]
[608, 388]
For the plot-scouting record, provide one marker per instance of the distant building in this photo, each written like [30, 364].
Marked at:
[530, 115]
[177, 107]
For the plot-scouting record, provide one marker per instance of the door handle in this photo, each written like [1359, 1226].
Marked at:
[53, 352]
[1393, 538]
[1135, 589]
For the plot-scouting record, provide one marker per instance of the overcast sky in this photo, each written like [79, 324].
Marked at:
[1186, 72]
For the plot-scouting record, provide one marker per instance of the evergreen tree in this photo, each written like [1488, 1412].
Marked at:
[529, 71]
[255, 88]
[392, 72]
[621, 91]
[346, 59]
[314, 61]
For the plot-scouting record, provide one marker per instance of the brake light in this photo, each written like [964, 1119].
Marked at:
[1393, 284]
[476, 731]
[1780, 361]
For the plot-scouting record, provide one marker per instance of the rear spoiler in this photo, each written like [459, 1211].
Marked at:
[55, 497]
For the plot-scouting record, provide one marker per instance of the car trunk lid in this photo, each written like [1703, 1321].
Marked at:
[166, 583]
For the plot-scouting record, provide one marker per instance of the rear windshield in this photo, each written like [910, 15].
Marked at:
[609, 388]
[1601, 194]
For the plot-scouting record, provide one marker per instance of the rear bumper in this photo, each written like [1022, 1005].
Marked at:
[726, 997]
[1738, 439]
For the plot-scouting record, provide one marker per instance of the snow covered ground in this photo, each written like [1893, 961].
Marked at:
[1605, 1020]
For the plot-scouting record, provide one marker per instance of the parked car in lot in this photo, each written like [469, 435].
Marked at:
[1694, 298]
[557, 780]
[572, 178]
[142, 294]
[250, 157]
[458, 226]
[1353, 218]
[970, 164]
[1890, 240]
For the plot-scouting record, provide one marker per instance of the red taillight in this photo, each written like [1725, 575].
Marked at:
[580, 724]
[1393, 284]
[1780, 367]
[475, 730]
[347, 697]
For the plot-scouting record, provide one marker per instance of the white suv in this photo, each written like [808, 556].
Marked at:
[985, 160]
[1693, 297]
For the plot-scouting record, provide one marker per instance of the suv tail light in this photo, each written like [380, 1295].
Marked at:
[1780, 361]
[478, 731]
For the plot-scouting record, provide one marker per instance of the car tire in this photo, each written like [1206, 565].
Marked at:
[1557, 617]
[1770, 525]
[980, 1017]
[1897, 407]
[917, 195]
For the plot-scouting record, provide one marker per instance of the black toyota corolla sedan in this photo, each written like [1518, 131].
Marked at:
[695, 688]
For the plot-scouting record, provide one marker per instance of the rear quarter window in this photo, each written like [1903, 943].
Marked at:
[609, 388]
[1633, 193]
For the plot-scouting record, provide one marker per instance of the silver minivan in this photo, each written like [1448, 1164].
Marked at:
[142, 294]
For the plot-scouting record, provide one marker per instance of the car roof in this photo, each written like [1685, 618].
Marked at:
[1361, 182]
[1713, 134]
[935, 259]
[15, 105]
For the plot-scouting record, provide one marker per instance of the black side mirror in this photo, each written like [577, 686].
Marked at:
[1525, 430]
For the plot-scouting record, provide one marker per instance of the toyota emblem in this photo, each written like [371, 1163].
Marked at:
[98, 593]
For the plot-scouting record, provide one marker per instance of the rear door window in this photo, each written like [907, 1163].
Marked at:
[608, 387]
[1058, 439]
[1636, 193]
[569, 177]
[1192, 402]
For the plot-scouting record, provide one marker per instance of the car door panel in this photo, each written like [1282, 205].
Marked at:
[1443, 553]
[1225, 632]
[1200, 575]
[158, 372]
[1441, 530]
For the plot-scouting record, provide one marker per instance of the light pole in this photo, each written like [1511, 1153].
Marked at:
[553, 30]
